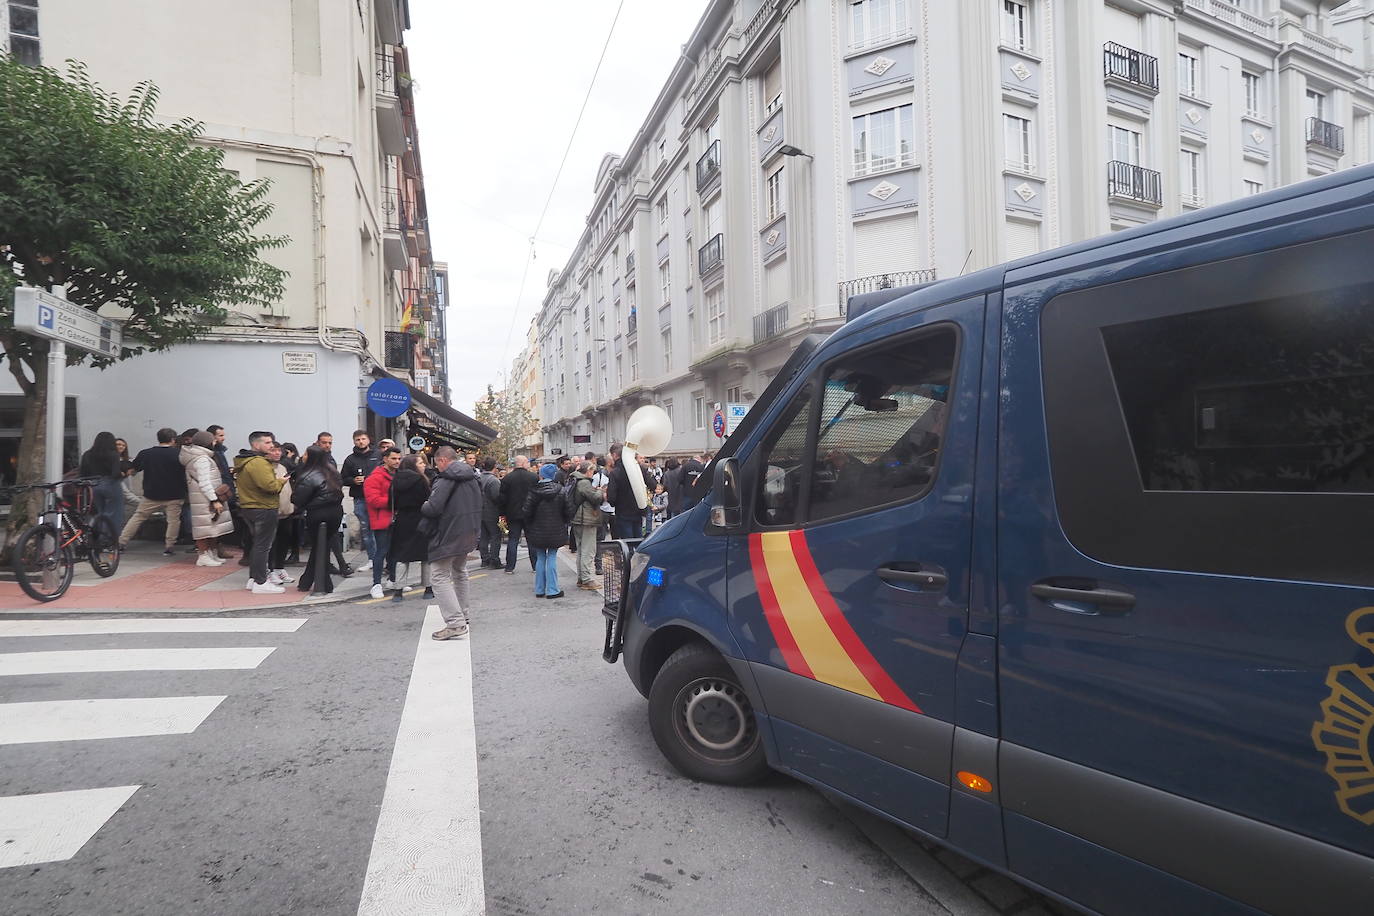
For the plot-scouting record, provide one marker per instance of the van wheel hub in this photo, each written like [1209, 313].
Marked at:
[716, 715]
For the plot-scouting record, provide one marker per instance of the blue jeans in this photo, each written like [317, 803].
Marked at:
[545, 571]
[109, 501]
[381, 546]
[627, 526]
[364, 528]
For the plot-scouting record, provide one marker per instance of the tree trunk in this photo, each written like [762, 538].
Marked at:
[32, 449]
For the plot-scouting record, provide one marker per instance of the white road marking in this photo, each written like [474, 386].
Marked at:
[53, 826]
[81, 720]
[427, 851]
[83, 661]
[150, 625]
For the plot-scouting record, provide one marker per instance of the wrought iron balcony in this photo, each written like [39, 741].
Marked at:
[708, 166]
[1130, 65]
[386, 73]
[394, 216]
[711, 255]
[893, 280]
[770, 323]
[1326, 135]
[399, 350]
[1134, 183]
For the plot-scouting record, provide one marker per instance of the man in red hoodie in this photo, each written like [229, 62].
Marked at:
[377, 494]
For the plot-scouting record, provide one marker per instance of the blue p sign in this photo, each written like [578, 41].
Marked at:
[46, 316]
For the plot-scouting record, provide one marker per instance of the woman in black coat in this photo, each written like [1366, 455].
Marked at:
[409, 490]
[318, 492]
[546, 529]
[102, 460]
[672, 483]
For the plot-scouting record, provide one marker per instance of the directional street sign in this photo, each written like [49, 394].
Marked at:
[40, 312]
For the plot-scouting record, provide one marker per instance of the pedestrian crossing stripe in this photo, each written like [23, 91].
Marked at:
[85, 661]
[85, 720]
[121, 625]
[53, 826]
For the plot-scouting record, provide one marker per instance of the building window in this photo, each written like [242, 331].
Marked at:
[665, 282]
[733, 396]
[619, 371]
[883, 140]
[715, 316]
[1253, 187]
[662, 207]
[1125, 145]
[601, 330]
[1016, 132]
[772, 89]
[1253, 101]
[1316, 105]
[774, 196]
[873, 22]
[667, 341]
[24, 32]
[634, 362]
[1014, 34]
[1190, 177]
[668, 409]
[1188, 76]
[698, 410]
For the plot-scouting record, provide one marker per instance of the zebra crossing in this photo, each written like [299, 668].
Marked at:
[41, 827]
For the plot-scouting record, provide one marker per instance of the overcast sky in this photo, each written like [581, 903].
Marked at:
[499, 87]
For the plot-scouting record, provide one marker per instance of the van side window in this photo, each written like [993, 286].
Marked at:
[1273, 396]
[784, 452]
[882, 422]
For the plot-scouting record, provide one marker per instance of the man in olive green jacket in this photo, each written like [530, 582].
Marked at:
[585, 521]
[259, 490]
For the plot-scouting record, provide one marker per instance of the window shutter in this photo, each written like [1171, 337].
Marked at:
[885, 245]
[1023, 239]
[772, 81]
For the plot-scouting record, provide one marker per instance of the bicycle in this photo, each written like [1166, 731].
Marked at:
[68, 528]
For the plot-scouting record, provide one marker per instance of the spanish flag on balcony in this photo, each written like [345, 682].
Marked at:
[408, 313]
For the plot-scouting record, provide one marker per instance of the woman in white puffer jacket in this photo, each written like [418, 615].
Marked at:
[210, 517]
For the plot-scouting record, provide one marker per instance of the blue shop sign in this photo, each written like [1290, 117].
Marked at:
[387, 397]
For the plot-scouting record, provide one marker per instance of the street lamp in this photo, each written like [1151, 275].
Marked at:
[788, 149]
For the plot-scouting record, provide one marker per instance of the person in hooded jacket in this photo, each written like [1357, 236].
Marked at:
[546, 529]
[210, 519]
[318, 492]
[489, 543]
[409, 492]
[454, 509]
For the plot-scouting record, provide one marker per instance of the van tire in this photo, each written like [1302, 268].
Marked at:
[702, 719]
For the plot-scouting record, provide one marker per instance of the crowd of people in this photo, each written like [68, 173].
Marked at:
[417, 509]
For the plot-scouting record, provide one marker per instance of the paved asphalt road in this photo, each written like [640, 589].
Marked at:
[259, 789]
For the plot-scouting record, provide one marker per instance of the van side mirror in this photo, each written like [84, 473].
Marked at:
[727, 511]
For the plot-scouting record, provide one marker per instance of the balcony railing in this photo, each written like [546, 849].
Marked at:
[871, 163]
[1233, 15]
[1134, 183]
[708, 166]
[1135, 67]
[892, 280]
[386, 73]
[399, 351]
[1326, 135]
[771, 323]
[711, 255]
[394, 216]
[755, 26]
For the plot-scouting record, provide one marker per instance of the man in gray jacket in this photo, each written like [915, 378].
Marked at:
[585, 522]
[489, 544]
[455, 507]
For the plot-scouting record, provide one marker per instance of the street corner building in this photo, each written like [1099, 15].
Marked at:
[317, 98]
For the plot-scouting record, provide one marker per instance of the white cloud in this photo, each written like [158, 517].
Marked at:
[499, 87]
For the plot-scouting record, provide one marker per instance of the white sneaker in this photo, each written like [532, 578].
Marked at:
[280, 577]
[250, 583]
[366, 567]
[267, 588]
[390, 586]
[208, 559]
[377, 592]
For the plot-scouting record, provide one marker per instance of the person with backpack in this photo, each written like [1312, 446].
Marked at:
[546, 529]
[586, 519]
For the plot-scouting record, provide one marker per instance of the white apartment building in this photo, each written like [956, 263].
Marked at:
[316, 97]
[803, 151]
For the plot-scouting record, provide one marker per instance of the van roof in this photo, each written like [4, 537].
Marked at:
[1329, 192]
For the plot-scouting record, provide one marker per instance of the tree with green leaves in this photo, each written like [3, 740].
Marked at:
[126, 213]
[504, 412]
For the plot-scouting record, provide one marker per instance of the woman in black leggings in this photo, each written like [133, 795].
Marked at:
[318, 491]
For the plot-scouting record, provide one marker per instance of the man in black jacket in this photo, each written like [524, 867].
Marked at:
[356, 467]
[515, 486]
[628, 520]
[489, 542]
[164, 487]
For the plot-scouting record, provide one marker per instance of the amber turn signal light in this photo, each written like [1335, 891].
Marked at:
[974, 781]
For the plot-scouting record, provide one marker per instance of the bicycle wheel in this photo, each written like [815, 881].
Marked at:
[102, 547]
[42, 564]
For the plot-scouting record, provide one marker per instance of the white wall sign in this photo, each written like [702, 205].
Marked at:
[298, 362]
[734, 416]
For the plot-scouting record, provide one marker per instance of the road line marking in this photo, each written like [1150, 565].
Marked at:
[81, 720]
[53, 826]
[150, 625]
[82, 661]
[427, 852]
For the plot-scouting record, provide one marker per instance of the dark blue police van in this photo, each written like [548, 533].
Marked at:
[1067, 564]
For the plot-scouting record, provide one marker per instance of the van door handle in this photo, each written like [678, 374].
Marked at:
[926, 578]
[1102, 597]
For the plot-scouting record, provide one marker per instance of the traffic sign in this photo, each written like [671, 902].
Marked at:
[718, 424]
[38, 311]
[417, 443]
[734, 416]
[388, 397]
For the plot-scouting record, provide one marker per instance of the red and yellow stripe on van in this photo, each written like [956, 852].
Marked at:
[815, 638]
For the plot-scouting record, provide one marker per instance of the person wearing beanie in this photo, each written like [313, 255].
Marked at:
[546, 529]
[207, 497]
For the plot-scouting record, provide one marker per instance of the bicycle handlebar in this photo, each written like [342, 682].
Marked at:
[79, 481]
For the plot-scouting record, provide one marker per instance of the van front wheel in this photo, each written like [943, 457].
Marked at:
[702, 719]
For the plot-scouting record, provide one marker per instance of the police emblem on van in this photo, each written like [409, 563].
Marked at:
[1346, 734]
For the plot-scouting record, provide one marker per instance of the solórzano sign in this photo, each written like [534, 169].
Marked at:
[388, 397]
